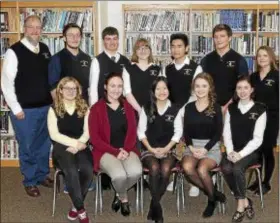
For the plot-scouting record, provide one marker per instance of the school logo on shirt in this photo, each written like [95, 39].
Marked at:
[169, 118]
[84, 63]
[46, 55]
[210, 114]
[230, 63]
[153, 72]
[187, 71]
[269, 82]
[123, 111]
[253, 115]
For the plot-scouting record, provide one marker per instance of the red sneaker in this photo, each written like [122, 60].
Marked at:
[72, 214]
[83, 217]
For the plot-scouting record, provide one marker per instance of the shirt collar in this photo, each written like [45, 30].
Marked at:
[167, 105]
[186, 61]
[26, 43]
[150, 64]
[117, 55]
[246, 106]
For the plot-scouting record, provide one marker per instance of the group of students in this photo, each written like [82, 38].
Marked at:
[109, 101]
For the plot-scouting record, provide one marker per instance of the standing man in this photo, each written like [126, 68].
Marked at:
[25, 87]
[224, 65]
[73, 62]
[107, 62]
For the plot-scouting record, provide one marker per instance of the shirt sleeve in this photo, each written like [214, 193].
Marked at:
[55, 134]
[257, 140]
[185, 133]
[54, 71]
[93, 81]
[142, 125]
[85, 136]
[9, 73]
[126, 82]
[178, 128]
[243, 67]
[219, 129]
[227, 134]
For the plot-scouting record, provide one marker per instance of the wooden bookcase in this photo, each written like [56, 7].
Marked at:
[14, 33]
[190, 10]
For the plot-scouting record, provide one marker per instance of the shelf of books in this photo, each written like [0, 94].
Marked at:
[253, 25]
[54, 15]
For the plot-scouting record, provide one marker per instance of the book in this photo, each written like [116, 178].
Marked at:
[4, 26]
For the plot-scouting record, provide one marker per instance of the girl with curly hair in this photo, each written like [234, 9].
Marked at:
[203, 125]
[68, 128]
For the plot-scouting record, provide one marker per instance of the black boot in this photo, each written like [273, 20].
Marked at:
[209, 210]
[116, 204]
[125, 210]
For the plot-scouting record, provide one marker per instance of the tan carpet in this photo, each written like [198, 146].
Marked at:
[16, 206]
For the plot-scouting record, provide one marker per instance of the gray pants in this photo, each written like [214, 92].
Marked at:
[123, 173]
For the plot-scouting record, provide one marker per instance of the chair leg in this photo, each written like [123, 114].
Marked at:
[183, 191]
[54, 192]
[100, 195]
[218, 183]
[177, 188]
[96, 194]
[137, 197]
[175, 175]
[142, 195]
[222, 190]
[250, 177]
[260, 187]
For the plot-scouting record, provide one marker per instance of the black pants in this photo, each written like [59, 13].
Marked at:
[234, 173]
[269, 141]
[77, 170]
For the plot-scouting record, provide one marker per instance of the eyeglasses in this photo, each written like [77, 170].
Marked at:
[143, 48]
[70, 89]
[34, 27]
[72, 36]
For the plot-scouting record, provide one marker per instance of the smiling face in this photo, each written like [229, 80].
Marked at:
[178, 49]
[143, 51]
[111, 43]
[114, 88]
[201, 88]
[221, 40]
[161, 91]
[263, 59]
[69, 91]
[33, 30]
[244, 90]
[73, 38]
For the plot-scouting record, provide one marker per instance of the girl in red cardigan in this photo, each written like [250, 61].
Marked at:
[112, 129]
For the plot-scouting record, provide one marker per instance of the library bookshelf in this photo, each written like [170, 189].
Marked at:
[54, 17]
[253, 25]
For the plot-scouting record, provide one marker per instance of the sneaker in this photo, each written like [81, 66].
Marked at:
[266, 189]
[83, 217]
[92, 186]
[72, 214]
[65, 191]
[194, 191]
[170, 186]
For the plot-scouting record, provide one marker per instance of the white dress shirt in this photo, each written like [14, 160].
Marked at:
[253, 144]
[9, 72]
[142, 124]
[94, 77]
[197, 71]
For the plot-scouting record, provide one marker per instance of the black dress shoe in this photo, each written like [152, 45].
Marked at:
[253, 187]
[250, 213]
[116, 204]
[209, 210]
[125, 210]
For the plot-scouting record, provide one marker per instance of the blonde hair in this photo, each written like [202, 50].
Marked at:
[81, 105]
[271, 56]
[141, 42]
[211, 95]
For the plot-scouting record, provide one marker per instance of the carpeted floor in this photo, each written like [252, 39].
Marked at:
[16, 206]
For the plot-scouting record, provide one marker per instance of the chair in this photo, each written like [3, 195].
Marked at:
[178, 187]
[56, 187]
[99, 199]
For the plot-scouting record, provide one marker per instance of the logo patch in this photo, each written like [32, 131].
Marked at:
[269, 82]
[253, 115]
[153, 72]
[230, 63]
[187, 71]
[169, 118]
[84, 63]
[46, 55]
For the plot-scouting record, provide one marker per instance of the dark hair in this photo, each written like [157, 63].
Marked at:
[180, 36]
[248, 80]
[107, 79]
[221, 27]
[151, 107]
[69, 26]
[109, 31]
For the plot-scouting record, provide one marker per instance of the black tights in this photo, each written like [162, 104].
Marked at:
[198, 173]
[159, 173]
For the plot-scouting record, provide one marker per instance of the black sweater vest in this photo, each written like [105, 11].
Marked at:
[78, 67]
[141, 82]
[243, 125]
[31, 82]
[107, 66]
[160, 132]
[180, 82]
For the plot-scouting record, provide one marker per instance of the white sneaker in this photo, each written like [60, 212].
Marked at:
[194, 191]
[170, 186]
[214, 179]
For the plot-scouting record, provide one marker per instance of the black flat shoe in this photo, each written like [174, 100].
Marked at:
[266, 189]
[157, 213]
[125, 210]
[238, 216]
[250, 213]
[253, 187]
[116, 204]
[209, 210]
[220, 197]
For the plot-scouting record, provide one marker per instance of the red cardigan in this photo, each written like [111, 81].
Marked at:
[99, 131]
